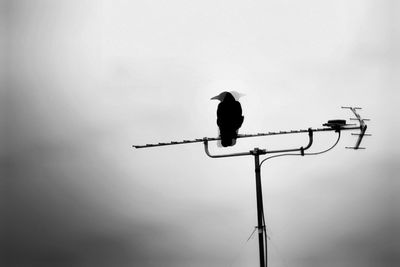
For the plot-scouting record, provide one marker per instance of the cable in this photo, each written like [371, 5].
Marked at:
[262, 211]
[281, 155]
[308, 154]
[324, 151]
[255, 229]
[265, 237]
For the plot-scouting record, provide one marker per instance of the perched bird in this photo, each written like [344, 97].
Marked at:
[229, 117]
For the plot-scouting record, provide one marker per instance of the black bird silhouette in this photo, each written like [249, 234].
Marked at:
[229, 118]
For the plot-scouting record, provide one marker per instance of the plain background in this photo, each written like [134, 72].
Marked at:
[84, 80]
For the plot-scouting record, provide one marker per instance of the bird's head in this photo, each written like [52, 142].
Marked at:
[222, 95]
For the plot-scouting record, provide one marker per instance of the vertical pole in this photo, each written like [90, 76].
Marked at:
[259, 208]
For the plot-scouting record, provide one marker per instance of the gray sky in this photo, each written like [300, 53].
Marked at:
[87, 79]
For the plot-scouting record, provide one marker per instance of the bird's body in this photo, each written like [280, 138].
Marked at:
[229, 118]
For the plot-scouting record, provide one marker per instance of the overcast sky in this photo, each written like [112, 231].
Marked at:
[85, 79]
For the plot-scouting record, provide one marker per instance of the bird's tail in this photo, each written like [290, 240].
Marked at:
[228, 138]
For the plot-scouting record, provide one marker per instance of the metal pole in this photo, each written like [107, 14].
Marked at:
[256, 153]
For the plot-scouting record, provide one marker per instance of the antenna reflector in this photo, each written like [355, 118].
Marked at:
[355, 119]
[352, 107]
[360, 134]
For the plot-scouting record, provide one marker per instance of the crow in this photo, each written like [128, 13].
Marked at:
[229, 118]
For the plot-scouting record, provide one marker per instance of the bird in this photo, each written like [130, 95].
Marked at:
[229, 117]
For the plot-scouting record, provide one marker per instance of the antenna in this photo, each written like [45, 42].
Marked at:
[331, 126]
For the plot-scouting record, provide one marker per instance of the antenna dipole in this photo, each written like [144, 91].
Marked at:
[332, 125]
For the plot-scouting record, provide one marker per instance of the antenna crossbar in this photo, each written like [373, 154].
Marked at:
[198, 140]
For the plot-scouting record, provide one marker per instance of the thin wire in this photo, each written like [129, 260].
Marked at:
[324, 151]
[255, 228]
[239, 254]
[265, 237]
[281, 155]
[262, 211]
[308, 154]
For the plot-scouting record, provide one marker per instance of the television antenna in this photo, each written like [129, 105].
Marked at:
[331, 126]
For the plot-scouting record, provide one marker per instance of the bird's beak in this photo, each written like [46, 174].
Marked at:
[215, 97]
